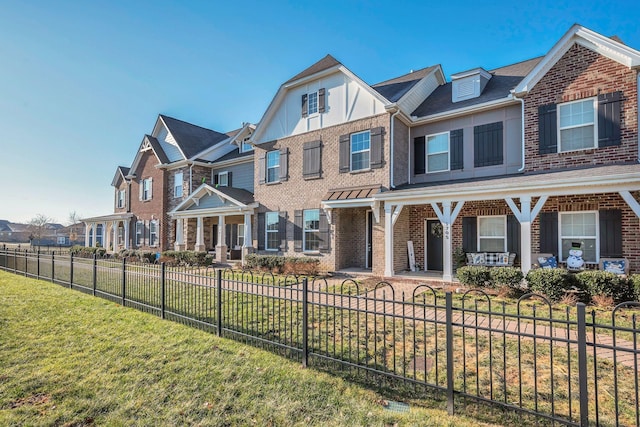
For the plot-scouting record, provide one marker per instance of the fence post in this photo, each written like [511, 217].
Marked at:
[95, 273]
[163, 283]
[15, 261]
[305, 322]
[53, 267]
[38, 264]
[449, 332]
[71, 270]
[582, 364]
[26, 262]
[124, 281]
[219, 302]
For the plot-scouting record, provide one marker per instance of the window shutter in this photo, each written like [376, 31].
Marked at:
[324, 232]
[150, 188]
[126, 198]
[513, 234]
[376, 147]
[321, 100]
[549, 232]
[284, 164]
[304, 105]
[147, 233]
[487, 145]
[282, 230]
[547, 130]
[456, 145]
[140, 187]
[609, 119]
[469, 234]
[261, 231]
[345, 151]
[261, 169]
[311, 159]
[229, 184]
[611, 233]
[117, 195]
[297, 231]
[419, 155]
[216, 180]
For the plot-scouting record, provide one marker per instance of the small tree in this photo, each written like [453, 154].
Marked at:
[74, 221]
[37, 227]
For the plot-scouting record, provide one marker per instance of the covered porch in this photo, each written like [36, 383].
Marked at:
[523, 214]
[111, 232]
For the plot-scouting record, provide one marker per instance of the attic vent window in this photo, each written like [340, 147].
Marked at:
[468, 84]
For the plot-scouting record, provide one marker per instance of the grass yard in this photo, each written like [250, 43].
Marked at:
[71, 359]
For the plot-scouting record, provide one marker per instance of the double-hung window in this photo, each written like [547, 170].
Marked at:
[177, 184]
[577, 129]
[121, 195]
[311, 227]
[492, 233]
[273, 166]
[99, 240]
[272, 237]
[579, 227]
[360, 150]
[223, 179]
[438, 152]
[146, 189]
[139, 233]
[312, 103]
[153, 233]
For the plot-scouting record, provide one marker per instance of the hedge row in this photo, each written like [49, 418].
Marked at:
[282, 264]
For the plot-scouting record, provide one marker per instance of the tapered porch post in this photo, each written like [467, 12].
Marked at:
[179, 243]
[447, 217]
[526, 215]
[199, 235]
[221, 248]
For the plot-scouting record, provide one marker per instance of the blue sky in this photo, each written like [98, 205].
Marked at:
[81, 82]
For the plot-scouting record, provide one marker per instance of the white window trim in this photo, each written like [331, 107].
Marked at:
[317, 112]
[139, 234]
[597, 236]
[426, 152]
[504, 249]
[121, 200]
[267, 231]
[176, 186]
[305, 231]
[226, 176]
[595, 125]
[277, 178]
[244, 145]
[240, 235]
[155, 239]
[351, 152]
[149, 193]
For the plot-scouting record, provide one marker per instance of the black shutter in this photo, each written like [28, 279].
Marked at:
[376, 147]
[297, 231]
[215, 180]
[469, 234]
[549, 232]
[345, 150]
[456, 147]
[304, 105]
[609, 119]
[547, 130]
[513, 234]
[324, 232]
[261, 169]
[282, 230]
[487, 145]
[284, 164]
[312, 159]
[229, 179]
[419, 155]
[261, 232]
[611, 233]
[321, 100]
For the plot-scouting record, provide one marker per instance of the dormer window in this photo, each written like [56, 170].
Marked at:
[468, 84]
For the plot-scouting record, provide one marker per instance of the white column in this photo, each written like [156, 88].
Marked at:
[115, 235]
[221, 247]
[179, 243]
[93, 234]
[525, 216]
[126, 233]
[199, 235]
[447, 217]
[86, 233]
[388, 240]
[248, 240]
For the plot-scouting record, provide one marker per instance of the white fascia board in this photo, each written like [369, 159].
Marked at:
[489, 105]
[478, 70]
[117, 176]
[590, 39]
[366, 86]
[112, 217]
[201, 191]
[231, 162]
[246, 129]
[353, 203]
[216, 146]
[574, 186]
[174, 138]
[433, 72]
[212, 212]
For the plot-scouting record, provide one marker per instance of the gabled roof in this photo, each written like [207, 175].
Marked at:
[503, 80]
[191, 139]
[324, 64]
[148, 142]
[611, 48]
[235, 154]
[221, 199]
[396, 88]
[121, 173]
[4, 225]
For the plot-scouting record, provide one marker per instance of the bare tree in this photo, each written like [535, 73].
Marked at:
[74, 218]
[74, 225]
[37, 226]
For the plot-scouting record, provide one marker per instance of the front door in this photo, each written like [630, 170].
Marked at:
[369, 249]
[434, 245]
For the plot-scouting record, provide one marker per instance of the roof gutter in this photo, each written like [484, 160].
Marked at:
[463, 111]
[522, 130]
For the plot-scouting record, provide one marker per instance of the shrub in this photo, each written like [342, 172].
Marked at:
[634, 282]
[301, 265]
[552, 282]
[189, 257]
[507, 279]
[87, 251]
[604, 283]
[281, 264]
[471, 275]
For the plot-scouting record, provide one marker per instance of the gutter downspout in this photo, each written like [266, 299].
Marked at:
[638, 100]
[522, 135]
[391, 139]
[409, 157]
[191, 178]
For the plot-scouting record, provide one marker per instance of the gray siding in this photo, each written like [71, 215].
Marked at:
[512, 144]
[242, 175]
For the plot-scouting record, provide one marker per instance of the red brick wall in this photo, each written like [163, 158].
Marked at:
[581, 73]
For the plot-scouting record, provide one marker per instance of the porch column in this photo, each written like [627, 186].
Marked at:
[388, 239]
[525, 215]
[179, 243]
[221, 247]
[126, 233]
[93, 234]
[86, 234]
[447, 217]
[199, 236]
[114, 224]
[248, 241]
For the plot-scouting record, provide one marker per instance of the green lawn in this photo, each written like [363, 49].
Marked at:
[71, 359]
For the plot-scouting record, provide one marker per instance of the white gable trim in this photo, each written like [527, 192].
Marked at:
[144, 146]
[207, 190]
[591, 40]
[172, 135]
[117, 177]
[421, 91]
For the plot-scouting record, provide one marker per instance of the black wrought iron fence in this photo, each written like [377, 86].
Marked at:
[558, 364]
